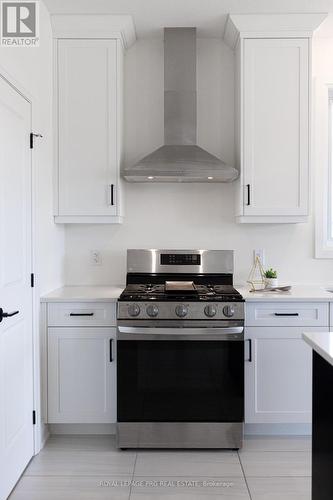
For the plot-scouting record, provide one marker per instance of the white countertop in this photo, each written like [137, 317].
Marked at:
[322, 343]
[84, 294]
[300, 293]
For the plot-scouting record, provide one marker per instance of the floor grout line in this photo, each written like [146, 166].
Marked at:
[223, 476]
[275, 451]
[239, 473]
[132, 478]
[79, 475]
[245, 478]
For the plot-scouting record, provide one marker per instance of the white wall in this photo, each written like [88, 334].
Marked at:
[32, 69]
[186, 216]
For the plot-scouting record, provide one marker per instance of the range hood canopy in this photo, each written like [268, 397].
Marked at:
[180, 159]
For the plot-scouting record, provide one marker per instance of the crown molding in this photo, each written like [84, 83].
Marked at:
[94, 26]
[295, 25]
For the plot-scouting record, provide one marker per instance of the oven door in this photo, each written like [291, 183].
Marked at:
[180, 374]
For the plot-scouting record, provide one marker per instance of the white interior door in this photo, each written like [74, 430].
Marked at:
[16, 350]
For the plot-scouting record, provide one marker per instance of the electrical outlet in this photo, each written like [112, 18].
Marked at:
[259, 252]
[95, 258]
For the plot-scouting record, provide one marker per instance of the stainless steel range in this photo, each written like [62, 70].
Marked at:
[180, 351]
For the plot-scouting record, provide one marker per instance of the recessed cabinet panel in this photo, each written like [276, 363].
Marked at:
[278, 378]
[274, 129]
[81, 375]
[287, 314]
[82, 314]
[87, 106]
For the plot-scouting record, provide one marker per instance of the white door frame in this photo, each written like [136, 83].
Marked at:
[38, 444]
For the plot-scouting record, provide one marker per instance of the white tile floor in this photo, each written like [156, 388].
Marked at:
[91, 468]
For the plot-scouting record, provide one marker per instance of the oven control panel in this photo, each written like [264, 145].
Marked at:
[180, 259]
[180, 310]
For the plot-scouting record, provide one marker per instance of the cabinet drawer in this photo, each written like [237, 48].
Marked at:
[287, 314]
[82, 314]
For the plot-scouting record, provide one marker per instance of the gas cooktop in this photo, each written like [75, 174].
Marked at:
[158, 292]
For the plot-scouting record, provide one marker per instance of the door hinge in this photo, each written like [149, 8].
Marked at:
[32, 135]
[32, 280]
[34, 417]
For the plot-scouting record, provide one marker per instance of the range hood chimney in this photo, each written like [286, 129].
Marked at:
[180, 159]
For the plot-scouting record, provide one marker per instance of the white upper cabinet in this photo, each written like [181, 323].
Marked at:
[88, 120]
[88, 167]
[276, 127]
[273, 74]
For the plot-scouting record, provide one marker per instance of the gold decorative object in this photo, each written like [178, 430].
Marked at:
[257, 276]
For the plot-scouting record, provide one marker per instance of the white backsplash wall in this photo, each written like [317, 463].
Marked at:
[185, 215]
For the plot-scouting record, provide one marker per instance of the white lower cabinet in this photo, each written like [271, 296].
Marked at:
[278, 375]
[81, 374]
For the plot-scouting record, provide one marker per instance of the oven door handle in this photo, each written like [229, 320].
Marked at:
[209, 333]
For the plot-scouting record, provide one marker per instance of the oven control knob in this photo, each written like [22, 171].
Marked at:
[210, 310]
[133, 310]
[228, 311]
[152, 310]
[181, 311]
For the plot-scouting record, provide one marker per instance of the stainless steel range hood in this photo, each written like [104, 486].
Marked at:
[180, 159]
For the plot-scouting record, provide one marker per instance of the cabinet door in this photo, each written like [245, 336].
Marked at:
[276, 127]
[87, 127]
[278, 379]
[81, 375]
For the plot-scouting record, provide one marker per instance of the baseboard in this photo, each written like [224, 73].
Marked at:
[278, 429]
[82, 429]
[45, 436]
[250, 429]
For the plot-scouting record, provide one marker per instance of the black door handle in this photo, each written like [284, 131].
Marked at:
[250, 350]
[248, 187]
[7, 315]
[111, 194]
[286, 314]
[111, 350]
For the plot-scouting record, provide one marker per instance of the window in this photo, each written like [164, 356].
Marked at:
[323, 170]
[330, 168]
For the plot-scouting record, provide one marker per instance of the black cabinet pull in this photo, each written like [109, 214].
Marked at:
[111, 350]
[7, 315]
[248, 187]
[112, 194]
[81, 314]
[250, 350]
[286, 314]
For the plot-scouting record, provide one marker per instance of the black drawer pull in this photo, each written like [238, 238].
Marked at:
[81, 314]
[286, 314]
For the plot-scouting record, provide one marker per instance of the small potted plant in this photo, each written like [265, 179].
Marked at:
[271, 278]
